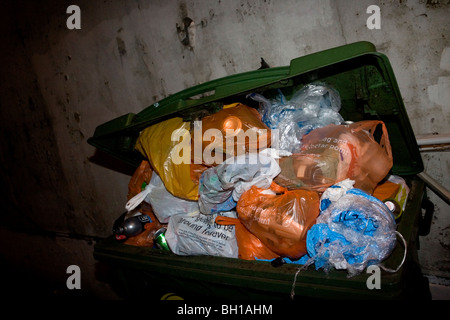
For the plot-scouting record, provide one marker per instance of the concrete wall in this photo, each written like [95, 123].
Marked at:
[58, 84]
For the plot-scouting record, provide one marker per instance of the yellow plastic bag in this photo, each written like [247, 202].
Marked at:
[155, 143]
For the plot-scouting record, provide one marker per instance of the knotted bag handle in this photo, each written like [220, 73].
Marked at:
[370, 127]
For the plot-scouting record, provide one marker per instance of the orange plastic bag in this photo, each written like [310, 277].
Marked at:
[337, 152]
[142, 175]
[232, 131]
[249, 246]
[279, 218]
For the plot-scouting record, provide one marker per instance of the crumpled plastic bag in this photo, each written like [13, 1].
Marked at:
[200, 235]
[221, 186]
[313, 106]
[279, 218]
[336, 152]
[355, 230]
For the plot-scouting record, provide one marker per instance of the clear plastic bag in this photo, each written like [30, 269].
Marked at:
[313, 106]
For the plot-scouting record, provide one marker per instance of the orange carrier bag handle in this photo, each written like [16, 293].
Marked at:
[370, 126]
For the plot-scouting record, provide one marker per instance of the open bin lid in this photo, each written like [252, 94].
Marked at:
[363, 77]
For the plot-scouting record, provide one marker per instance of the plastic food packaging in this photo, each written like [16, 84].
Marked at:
[221, 186]
[355, 230]
[239, 128]
[279, 218]
[313, 106]
[155, 143]
[250, 247]
[402, 195]
[200, 235]
[393, 191]
[336, 152]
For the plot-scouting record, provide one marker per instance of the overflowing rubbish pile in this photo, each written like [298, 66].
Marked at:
[289, 180]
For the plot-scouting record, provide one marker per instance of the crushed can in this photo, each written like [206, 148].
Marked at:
[160, 239]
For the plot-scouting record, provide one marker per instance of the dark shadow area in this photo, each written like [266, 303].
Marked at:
[103, 159]
[104, 273]
[24, 282]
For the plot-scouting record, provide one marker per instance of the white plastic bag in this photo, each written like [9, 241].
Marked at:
[221, 187]
[200, 235]
[163, 203]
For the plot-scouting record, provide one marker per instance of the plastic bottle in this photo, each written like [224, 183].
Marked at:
[125, 228]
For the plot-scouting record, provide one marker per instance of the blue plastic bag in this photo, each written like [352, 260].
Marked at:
[352, 232]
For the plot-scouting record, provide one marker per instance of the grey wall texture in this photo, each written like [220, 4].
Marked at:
[58, 84]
